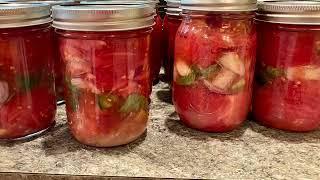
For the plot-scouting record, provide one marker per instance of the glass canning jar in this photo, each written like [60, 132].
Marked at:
[214, 63]
[57, 61]
[287, 88]
[27, 94]
[172, 22]
[105, 50]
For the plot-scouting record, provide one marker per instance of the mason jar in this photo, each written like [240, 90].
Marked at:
[105, 50]
[27, 94]
[171, 23]
[57, 62]
[287, 85]
[214, 63]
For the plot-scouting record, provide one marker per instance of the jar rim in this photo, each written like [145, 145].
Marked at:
[219, 5]
[153, 3]
[93, 17]
[14, 15]
[289, 12]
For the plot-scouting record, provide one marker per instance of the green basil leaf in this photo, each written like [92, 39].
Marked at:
[107, 101]
[210, 71]
[238, 86]
[186, 80]
[26, 83]
[73, 95]
[134, 103]
[268, 74]
[190, 78]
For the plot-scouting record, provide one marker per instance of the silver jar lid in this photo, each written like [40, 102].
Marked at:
[24, 14]
[50, 2]
[152, 3]
[103, 17]
[173, 7]
[219, 5]
[289, 12]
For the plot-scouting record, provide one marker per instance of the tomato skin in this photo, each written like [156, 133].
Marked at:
[288, 106]
[27, 113]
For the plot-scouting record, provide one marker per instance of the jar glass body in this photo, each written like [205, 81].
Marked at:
[58, 70]
[157, 49]
[171, 25]
[213, 69]
[287, 85]
[107, 87]
[27, 94]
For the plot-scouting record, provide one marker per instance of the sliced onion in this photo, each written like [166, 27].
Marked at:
[77, 68]
[182, 68]
[222, 83]
[232, 62]
[85, 84]
[4, 92]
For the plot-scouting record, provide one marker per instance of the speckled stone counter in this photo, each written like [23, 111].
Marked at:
[170, 150]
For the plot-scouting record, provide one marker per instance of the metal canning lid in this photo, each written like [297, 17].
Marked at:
[174, 7]
[153, 3]
[219, 5]
[289, 12]
[24, 14]
[103, 17]
[50, 2]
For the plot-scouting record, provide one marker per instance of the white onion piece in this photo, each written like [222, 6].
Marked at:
[222, 83]
[85, 84]
[232, 62]
[77, 68]
[4, 92]
[182, 68]
[310, 72]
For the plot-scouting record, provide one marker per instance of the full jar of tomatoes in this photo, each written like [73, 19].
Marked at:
[105, 49]
[287, 88]
[27, 94]
[172, 21]
[214, 62]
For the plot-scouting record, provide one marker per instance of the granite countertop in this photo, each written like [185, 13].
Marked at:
[170, 150]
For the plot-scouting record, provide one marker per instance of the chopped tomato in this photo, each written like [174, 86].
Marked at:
[288, 105]
[284, 48]
[27, 113]
[209, 111]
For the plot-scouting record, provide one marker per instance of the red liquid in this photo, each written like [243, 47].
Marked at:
[27, 97]
[288, 77]
[213, 71]
[157, 49]
[171, 27]
[58, 66]
[107, 85]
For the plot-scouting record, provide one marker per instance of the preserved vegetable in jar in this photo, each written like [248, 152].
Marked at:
[157, 49]
[27, 95]
[214, 64]
[107, 73]
[287, 88]
[171, 24]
